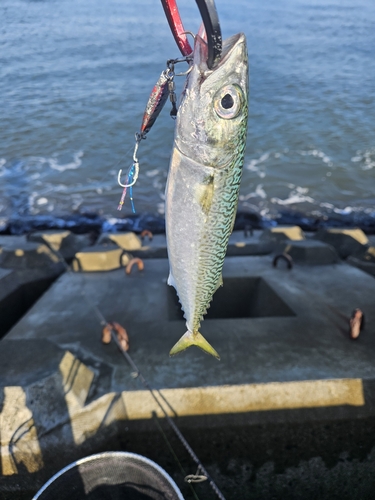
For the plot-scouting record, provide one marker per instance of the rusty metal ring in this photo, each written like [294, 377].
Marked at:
[145, 233]
[122, 335]
[195, 478]
[136, 260]
[356, 323]
[288, 259]
[248, 230]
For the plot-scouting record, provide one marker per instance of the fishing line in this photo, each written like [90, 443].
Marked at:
[156, 420]
[169, 420]
[138, 374]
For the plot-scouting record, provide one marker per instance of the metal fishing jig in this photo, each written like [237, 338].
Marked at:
[163, 88]
[165, 85]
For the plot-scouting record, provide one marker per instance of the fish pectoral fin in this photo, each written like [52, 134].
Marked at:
[189, 339]
[205, 194]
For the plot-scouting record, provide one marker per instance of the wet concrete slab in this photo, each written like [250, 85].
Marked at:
[289, 374]
[26, 271]
[306, 337]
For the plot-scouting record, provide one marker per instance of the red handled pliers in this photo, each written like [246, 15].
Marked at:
[211, 24]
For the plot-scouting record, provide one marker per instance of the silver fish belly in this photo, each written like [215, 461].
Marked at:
[204, 179]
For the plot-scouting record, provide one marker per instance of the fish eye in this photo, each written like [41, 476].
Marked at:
[227, 102]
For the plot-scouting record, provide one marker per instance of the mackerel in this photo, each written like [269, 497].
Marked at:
[204, 179]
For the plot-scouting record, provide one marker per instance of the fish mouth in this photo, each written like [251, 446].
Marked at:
[229, 44]
[200, 53]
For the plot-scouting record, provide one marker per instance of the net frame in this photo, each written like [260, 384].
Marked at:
[111, 454]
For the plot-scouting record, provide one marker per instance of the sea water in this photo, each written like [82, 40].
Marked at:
[75, 76]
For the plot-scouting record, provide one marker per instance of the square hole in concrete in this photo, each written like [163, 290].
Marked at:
[238, 298]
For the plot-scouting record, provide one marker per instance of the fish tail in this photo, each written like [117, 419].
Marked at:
[189, 339]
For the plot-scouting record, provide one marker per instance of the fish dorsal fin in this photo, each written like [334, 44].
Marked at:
[171, 281]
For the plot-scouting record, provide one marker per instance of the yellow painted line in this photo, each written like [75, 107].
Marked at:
[247, 398]
[291, 232]
[356, 234]
[18, 436]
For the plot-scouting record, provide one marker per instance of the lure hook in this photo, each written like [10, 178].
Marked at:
[132, 174]
[135, 166]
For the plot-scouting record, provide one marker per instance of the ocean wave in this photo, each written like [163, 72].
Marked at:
[293, 199]
[253, 165]
[317, 153]
[365, 158]
[76, 163]
[258, 193]
[297, 195]
[152, 173]
[2, 169]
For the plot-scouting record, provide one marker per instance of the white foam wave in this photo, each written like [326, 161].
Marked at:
[76, 163]
[298, 195]
[246, 204]
[258, 193]
[253, 166]
[297, 198]
[343, 211]
[2, 163]
[42, 201]
[367, 158]
[157, 184]
[317, 154]
[152, 173]
[161, 208]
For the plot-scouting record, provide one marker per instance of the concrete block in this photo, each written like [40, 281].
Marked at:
[9, 300]
[6, 240]
[364, 259]
[281, 233]
[28, 269]
[127, 241]
[311, 252]
[28, 255]
[155, 248]
[248, 244]
[144, 248]
[46, 389]
[64, 242]
[100, 258]
[345, 241]
[291, 394]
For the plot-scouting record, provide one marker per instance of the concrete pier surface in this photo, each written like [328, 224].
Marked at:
[288, 412]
